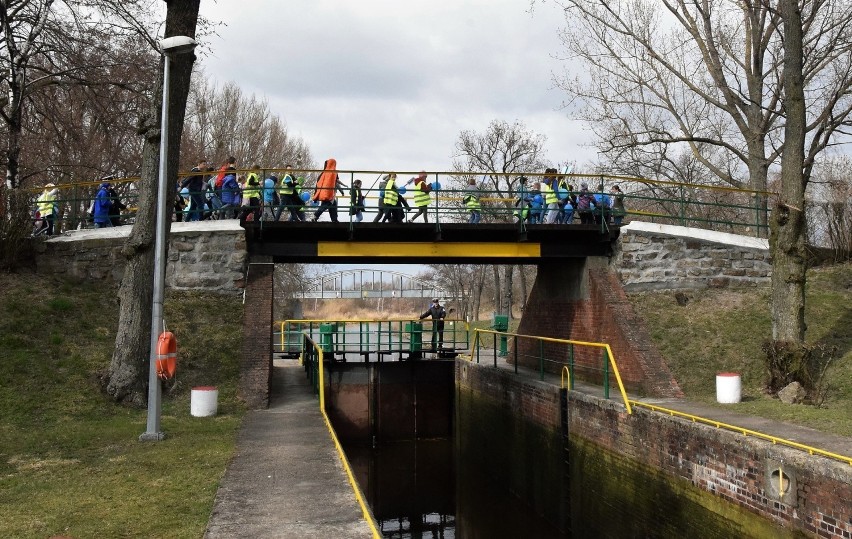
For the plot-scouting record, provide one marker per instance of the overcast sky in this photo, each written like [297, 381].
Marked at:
[383, 85]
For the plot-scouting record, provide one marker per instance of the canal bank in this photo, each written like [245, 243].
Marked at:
[286, 478]
[649, 473]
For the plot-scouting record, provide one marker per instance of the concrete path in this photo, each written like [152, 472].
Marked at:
[286, 479]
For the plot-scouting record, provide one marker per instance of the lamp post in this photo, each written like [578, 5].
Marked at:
[170, 46]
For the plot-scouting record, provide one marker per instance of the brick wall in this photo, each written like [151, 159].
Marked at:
[584, 301]
[256, 366]
[666, 473]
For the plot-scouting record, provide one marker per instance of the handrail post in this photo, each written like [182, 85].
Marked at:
[606, 374]
[541, 359]
[476, 343]
[682, 205]
[495, 348]
[515, 344]
[571, 365]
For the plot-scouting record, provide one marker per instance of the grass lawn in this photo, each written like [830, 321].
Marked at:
[70, 460]
[723, 330]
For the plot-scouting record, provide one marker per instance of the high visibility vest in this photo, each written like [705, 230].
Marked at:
[549, 194]
[45, 203]
[391, 196]
[287, 186]
[471, 201]
[251, 191]
[421, 197]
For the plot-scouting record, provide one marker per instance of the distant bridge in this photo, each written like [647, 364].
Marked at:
[371, 283]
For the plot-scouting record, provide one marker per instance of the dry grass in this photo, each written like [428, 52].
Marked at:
[723, 330]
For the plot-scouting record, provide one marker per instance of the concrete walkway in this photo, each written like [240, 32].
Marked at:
[286, 479]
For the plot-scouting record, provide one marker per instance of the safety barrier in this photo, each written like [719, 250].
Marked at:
[395, 337]
[608, 363]
[312, 359]
[705, 206]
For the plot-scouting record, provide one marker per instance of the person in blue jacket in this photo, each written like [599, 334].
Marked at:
[102, 206]
[230, 194]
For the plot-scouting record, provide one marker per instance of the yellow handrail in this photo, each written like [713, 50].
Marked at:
[358, 496]
[745, 432]
[564, 372]
[580, 343]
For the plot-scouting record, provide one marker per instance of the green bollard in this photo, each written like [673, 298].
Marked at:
[415, 341]
[501, 323]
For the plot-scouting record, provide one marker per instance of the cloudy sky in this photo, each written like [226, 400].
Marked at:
[383, 85]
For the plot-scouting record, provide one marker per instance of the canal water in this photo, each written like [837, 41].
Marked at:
[420, 489]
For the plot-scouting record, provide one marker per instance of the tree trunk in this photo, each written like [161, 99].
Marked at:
[787, 240]
[128, 371]
[498, 290]
[508, 283]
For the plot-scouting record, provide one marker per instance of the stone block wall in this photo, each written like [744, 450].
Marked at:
[665, 257]
[209, 256]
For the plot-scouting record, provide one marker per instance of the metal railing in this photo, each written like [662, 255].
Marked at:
[312, 359]
[548, 360]
[714, 207]
[744, 431]
[372, 337]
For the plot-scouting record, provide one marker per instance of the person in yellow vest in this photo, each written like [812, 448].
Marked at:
[551, 199]
[47, 208]
[422, 198]
[393, 208]
[471, 201]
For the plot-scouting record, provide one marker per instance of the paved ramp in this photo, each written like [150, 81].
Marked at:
[286, 479]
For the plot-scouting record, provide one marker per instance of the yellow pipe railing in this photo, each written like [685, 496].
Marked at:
[340, 453]
[605, 346]
[564, 372]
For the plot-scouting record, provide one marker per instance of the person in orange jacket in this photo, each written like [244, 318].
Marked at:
[324, 193]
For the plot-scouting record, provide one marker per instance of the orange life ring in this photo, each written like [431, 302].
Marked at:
[166, 355]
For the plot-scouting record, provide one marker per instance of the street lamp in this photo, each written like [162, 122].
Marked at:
[170, 46]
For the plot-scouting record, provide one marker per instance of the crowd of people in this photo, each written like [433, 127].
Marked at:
[553, 200]
[223, 193]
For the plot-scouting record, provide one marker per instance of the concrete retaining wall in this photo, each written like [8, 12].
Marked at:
[660, 475]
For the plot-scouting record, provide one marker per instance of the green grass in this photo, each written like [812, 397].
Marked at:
[70, 460]
[723, 330]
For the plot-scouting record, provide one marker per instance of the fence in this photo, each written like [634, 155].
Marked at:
[500, 199]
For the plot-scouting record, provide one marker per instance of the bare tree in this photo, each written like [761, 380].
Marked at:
[127, 378]
[713, 77]
[224, 121]
[704, 78]
[499, 153]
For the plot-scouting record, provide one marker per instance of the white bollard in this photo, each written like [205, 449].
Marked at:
[728, 387]
[204, 400]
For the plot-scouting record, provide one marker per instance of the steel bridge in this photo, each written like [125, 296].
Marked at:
[371, 283]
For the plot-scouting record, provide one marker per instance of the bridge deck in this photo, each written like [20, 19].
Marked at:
[346, 242]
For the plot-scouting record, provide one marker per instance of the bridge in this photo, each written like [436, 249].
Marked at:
[370, 284]
[415, 243]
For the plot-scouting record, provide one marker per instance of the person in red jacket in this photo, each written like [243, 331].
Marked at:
[324, 193]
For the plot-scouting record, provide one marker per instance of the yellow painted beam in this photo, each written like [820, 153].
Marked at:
[437, 249]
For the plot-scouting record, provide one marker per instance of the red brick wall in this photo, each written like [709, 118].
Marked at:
[256, 366]
[720, 471]
[584, 301]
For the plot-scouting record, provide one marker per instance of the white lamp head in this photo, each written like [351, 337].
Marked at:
[177, 45]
